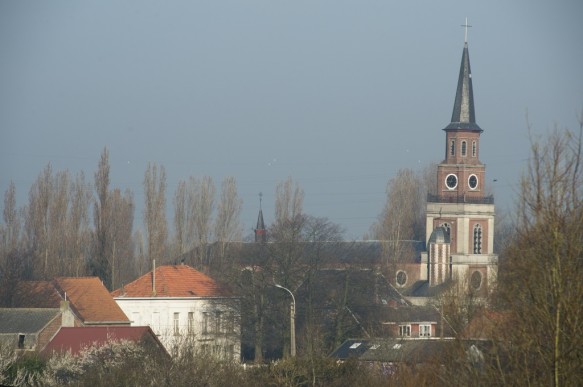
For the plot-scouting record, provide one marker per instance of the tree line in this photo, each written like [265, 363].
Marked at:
[536, 337]
[71, 226]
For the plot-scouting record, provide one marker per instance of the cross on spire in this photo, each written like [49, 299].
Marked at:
[466, 25]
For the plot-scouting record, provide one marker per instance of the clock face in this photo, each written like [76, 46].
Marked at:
[473, 181]
[451, 181]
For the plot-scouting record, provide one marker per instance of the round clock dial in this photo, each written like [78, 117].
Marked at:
[451, 181]
[473, 182]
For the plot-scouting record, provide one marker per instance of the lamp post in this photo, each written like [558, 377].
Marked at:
[292, 317]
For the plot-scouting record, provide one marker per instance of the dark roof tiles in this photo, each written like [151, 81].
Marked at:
[26, 320]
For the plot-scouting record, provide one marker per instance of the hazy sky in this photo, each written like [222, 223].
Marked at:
[339, 95]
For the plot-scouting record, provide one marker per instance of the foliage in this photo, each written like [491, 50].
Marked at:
[542, 272]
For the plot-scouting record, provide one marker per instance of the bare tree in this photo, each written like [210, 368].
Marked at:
[287, 230]
[37, 223]
[201, 204]
[402, 218]
[227, 223]
[120, 230]
[11, 257]
[155, 211]
[99, 263]
[541, 271]
[78, 232]
[181, 219]
[11, 228]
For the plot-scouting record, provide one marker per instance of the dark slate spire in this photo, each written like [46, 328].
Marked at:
[260, 231]
[463, 116]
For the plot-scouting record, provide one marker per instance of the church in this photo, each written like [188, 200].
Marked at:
[460, 215]
[459, 225]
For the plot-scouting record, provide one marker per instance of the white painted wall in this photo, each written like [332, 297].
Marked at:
[159, 313]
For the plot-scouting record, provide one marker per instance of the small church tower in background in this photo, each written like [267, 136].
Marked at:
[260, 231]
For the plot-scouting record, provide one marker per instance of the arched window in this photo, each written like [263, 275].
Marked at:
[452, 148]
[474, 149]
[477, 239]
[464, 148]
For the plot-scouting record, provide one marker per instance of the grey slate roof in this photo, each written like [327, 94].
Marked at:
[397, 350]
[25, 320]
[464, 116]
[439, 235]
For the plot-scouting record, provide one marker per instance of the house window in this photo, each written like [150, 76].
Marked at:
[156, 322]
[218, 327]
[477, 239]
[20, 341]
[205, 322]
[230, 323]
[229, 352]
[464, 148]
[190, 322]
[424, 330]
[405, 330]
[176, 323]
[452, 148]
[474, 149]
[136, 318]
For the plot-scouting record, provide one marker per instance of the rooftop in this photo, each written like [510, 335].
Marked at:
[88, 298]
[172, 281]
[74, 339]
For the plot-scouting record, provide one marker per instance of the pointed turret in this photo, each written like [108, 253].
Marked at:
[464, 117]
[260, 231]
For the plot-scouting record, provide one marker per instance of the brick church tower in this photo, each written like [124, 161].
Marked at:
[461, 205]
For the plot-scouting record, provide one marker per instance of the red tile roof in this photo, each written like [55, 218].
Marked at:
[90, 299]
[173, 281]
[74, 339]
[87, 296]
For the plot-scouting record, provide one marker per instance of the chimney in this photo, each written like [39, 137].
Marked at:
[67, 317]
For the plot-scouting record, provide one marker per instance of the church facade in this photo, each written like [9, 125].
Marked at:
[460, 214]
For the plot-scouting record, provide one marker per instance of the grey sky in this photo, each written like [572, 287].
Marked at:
[339, 95]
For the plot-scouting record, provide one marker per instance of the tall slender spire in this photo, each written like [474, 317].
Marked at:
[260, 231]
[464, 116]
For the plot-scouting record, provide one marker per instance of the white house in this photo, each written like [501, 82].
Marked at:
[184, 307]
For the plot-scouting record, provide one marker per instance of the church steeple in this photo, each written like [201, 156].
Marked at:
[260, 231]
[464, 116]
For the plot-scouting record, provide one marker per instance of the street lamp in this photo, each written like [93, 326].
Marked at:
[292, 315]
